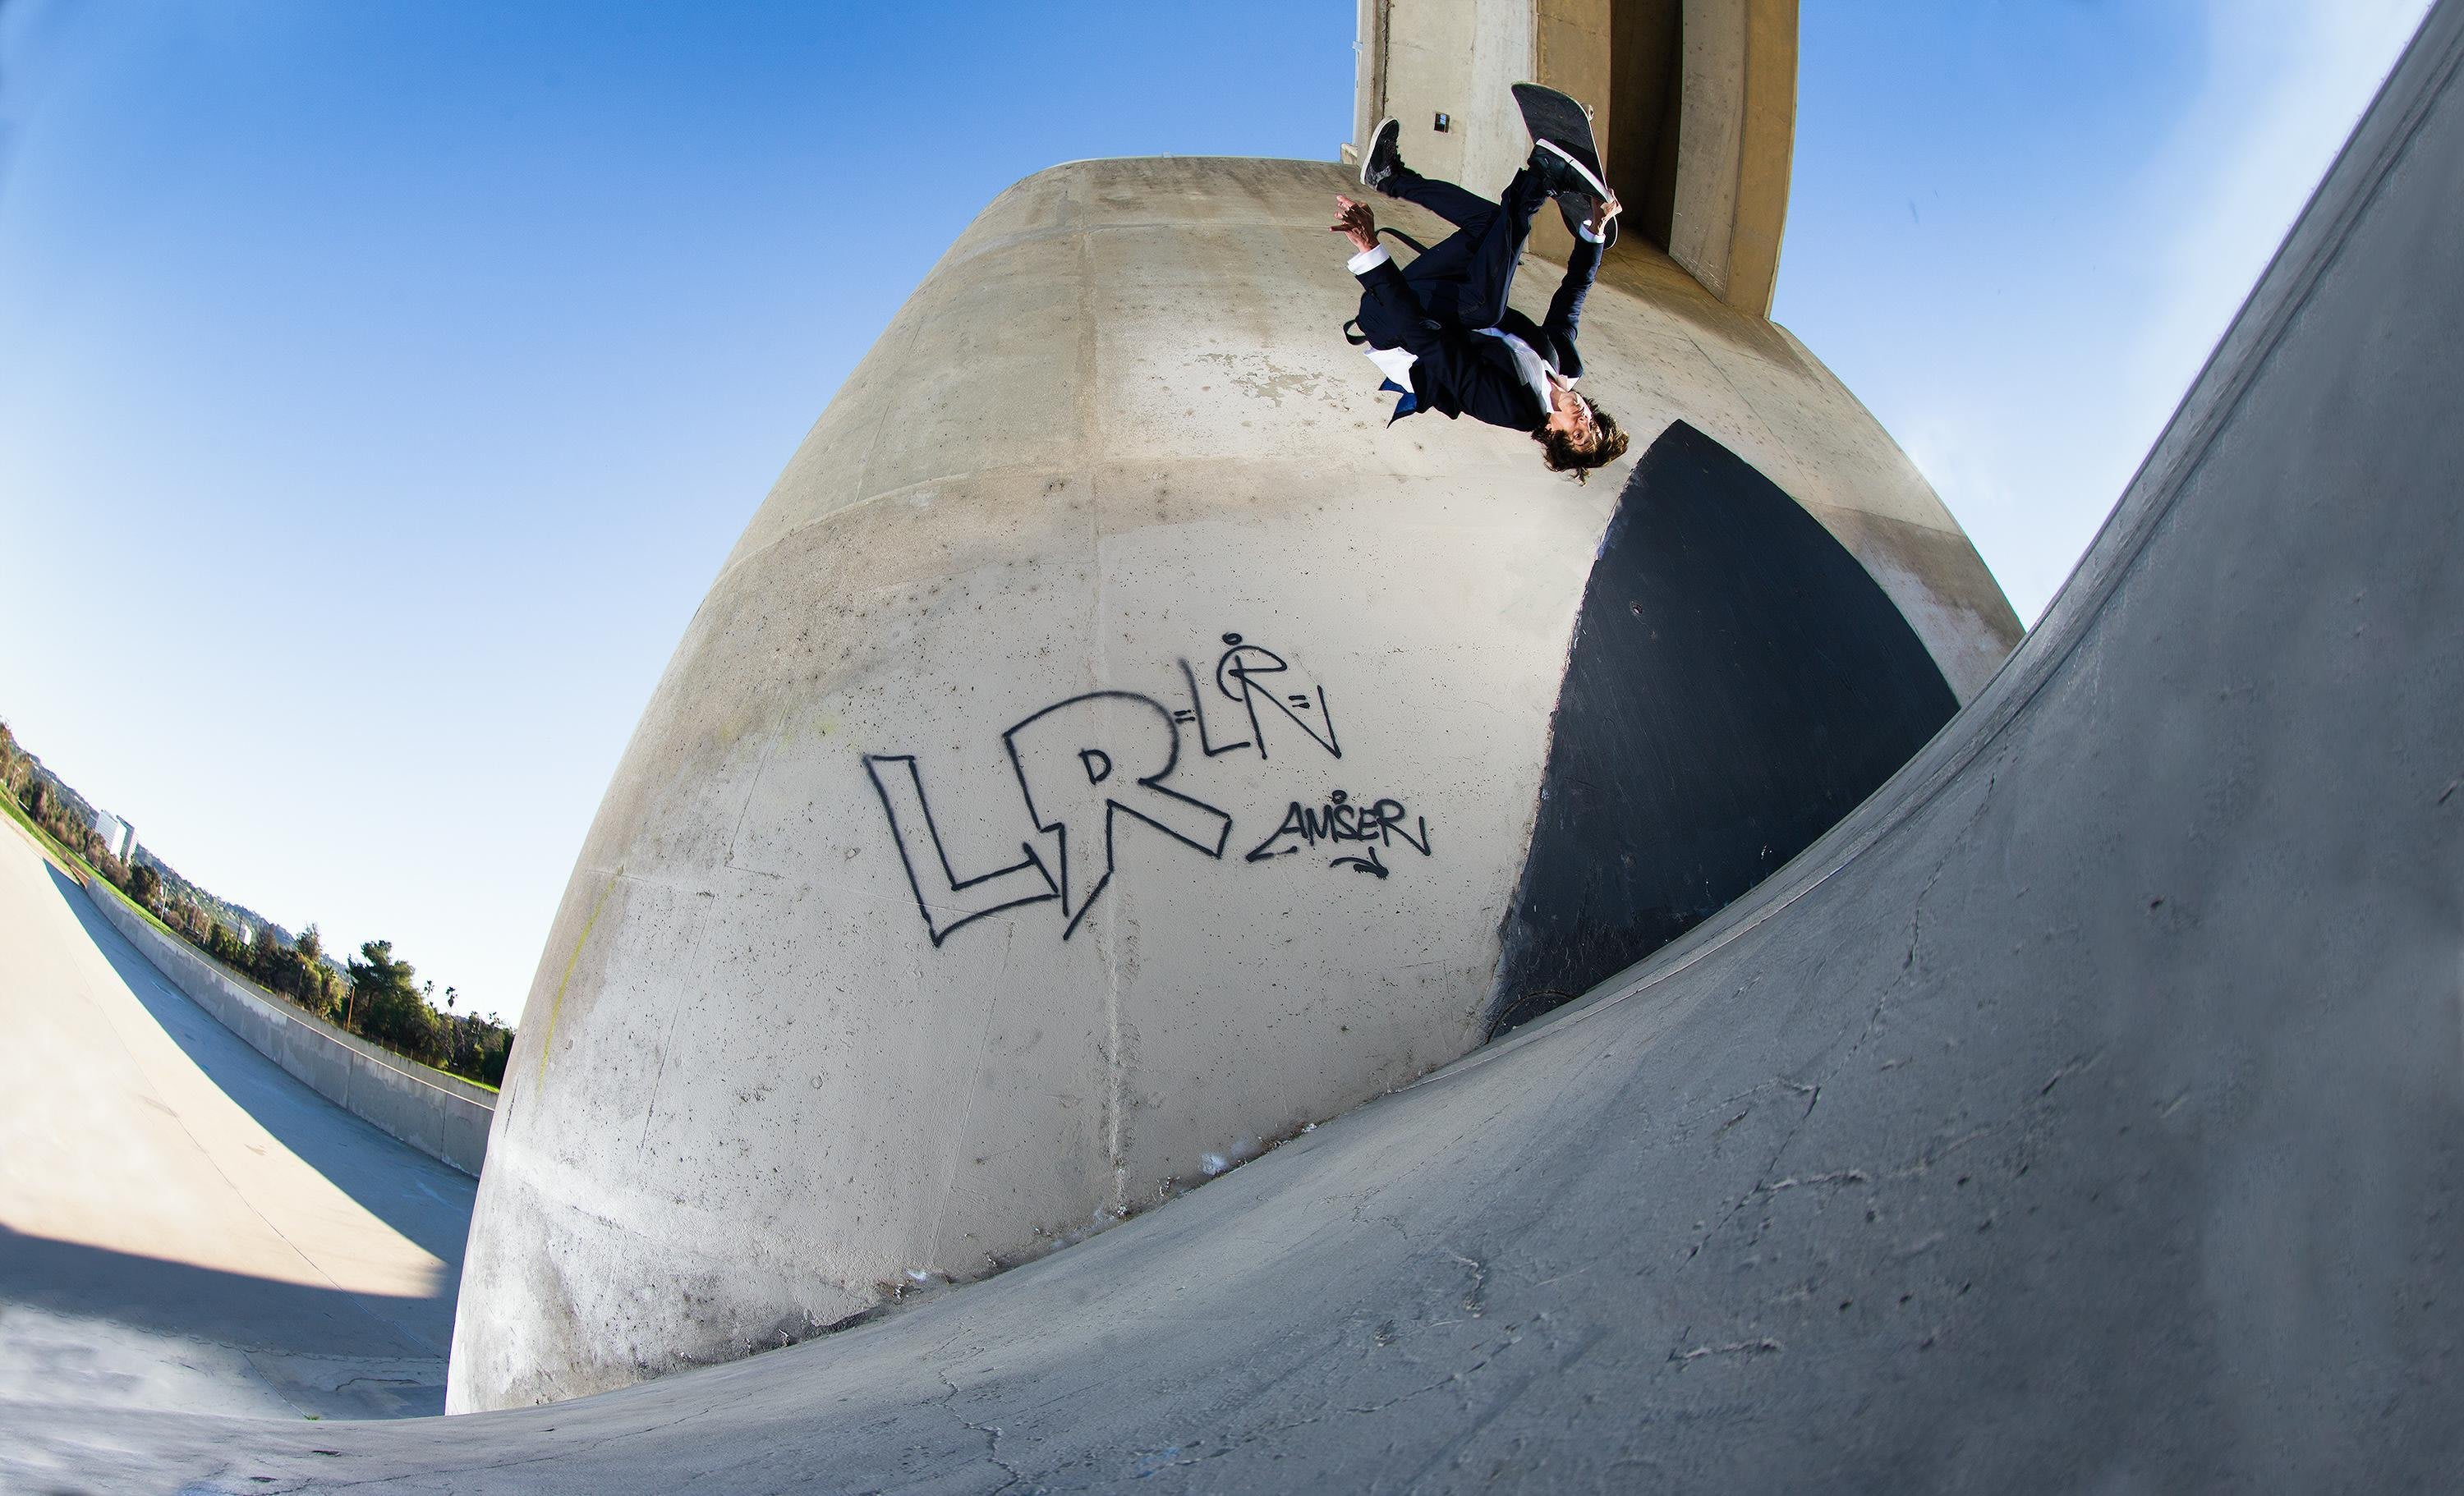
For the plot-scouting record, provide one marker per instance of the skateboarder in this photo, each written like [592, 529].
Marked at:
[1441, 328]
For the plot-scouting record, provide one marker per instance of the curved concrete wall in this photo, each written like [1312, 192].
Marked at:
[442, 1115]
[968, 882]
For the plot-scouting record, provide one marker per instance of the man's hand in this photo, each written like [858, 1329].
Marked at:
[1355, 222]
[1601, 215]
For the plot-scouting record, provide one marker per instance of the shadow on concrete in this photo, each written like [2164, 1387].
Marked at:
[426, 1201]
[206, 1303]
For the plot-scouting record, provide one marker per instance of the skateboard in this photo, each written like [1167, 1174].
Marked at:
[1557, 118]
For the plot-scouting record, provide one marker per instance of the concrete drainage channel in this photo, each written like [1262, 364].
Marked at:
[441, 1115]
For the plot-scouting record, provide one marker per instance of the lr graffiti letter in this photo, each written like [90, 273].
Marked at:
[953, 901]
[1075, 763]
[1240, 676]
[1083, 763]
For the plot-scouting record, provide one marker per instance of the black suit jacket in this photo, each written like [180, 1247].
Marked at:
[1460, 371]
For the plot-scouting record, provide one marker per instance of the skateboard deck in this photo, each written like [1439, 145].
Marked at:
[1556, 117]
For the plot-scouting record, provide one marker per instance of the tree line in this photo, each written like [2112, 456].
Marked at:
[375, 994]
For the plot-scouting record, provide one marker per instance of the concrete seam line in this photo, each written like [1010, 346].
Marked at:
[736, 563]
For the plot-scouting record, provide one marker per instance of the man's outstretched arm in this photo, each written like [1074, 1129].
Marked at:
[1582, 266]
[1378, 275]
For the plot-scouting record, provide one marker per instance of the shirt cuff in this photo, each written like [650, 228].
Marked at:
[1367, 260]
[1589, 238]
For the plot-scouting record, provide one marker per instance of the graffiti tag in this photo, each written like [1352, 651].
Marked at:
[1083, 764]
[1378, 825]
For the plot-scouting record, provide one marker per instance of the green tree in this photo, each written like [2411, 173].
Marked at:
[145, 885]
[494, 1052]
[476, 1046]
[304, 976]
[269, 962]
[385, 1005]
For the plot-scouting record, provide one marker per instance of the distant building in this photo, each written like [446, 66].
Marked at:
[118, 837]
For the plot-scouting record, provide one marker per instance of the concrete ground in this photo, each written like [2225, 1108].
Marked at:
[182, 1226]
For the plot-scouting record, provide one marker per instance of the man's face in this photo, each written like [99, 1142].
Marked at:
[1572, 415]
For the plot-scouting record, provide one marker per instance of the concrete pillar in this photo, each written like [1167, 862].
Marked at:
[1734, 118]
[990, 861]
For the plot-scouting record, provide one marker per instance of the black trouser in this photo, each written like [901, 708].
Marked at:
[1463, 278]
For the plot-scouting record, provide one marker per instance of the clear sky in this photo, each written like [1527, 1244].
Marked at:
[381, 384]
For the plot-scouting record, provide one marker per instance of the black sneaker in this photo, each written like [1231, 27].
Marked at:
[1384, 160]
[1560, 173]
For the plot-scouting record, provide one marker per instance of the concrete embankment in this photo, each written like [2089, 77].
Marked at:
[442, 1116]
[185, 1226]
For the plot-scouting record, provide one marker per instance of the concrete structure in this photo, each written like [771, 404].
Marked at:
[442, 1115]
[1694, 104]
[2084, 1112]
[118, 837]
[991, 861]
[182, 1226]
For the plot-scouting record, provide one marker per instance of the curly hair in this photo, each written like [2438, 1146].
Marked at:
[1563, 454]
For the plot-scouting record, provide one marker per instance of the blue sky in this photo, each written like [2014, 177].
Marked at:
[384, 383]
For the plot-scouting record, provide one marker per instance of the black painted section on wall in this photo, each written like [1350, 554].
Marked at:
[1737, 684]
